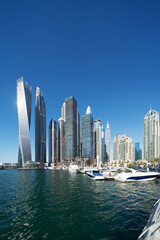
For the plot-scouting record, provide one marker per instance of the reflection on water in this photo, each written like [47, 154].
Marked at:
[45, 204]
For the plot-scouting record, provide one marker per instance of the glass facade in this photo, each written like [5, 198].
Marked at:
[71, 128]
[54, 152]
[103, 146]
[40, 128]
[107, 141]
[61, 125]
[78, 134]
[63, 112]
[87, 136]
[138, 151]
[151, 135]
[24, 101]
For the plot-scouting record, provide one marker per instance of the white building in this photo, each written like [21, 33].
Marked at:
[123, 148]
[63, 112]
[108, 141]
[98, 140]
[151, 139]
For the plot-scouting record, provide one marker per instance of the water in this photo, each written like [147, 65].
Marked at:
[46, 204]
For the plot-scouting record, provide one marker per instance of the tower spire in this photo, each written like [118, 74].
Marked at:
[88, 111]
[150, 107]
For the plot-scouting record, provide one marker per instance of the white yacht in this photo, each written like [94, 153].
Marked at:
[73, 167]
[95, 174]
[64, 167]
[109, 174]
[50, 168]
[152, 228]
[132, 175]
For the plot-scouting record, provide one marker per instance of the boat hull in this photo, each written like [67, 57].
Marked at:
[135, 178]
[95, 177]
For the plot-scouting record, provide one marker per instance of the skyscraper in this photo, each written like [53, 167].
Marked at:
[103, 146]
[108, 141]
[151, 143]
[53, 143]
[63, 112]
[40, 128]
[78, 134]
[98, 141]
[87, 134]
[24, 102]
[61, 124]
[138, 151]
[123, 148]
[71, 128]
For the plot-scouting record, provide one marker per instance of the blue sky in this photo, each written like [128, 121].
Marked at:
[105, 53]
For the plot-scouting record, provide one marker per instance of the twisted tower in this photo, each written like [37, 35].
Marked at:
[24, 101]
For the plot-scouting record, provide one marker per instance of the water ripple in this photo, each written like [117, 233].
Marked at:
[60, 205]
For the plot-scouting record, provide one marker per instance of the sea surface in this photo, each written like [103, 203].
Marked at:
[47, 204]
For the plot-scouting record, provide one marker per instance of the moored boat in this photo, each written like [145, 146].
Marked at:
[95, 174]
[73, 167]
[109, 174]
[132, 175]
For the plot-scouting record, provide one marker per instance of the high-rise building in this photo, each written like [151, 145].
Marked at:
[40, 128]
[63, 112]
[123, 148]
[151, 139]
[138, 151]
[24, 103]
[103, 146]
[71, 128]
[98, 141]
[62, 138]
[108, 141]
[53, 143]
[87, 134]
[78, 134]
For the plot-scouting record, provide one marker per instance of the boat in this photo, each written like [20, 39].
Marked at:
[57, 168]
[87, 169]
[80, 170]
[152, 228]
[132, 175]
[50, 168]
[53, 168]
[64, 168]
[73, 167]
[95, 174]
[109, 173]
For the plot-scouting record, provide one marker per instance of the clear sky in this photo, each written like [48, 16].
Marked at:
[106, 53]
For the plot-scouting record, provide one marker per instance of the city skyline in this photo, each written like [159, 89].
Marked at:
[63, 116]
[105, 54]
[58, 123]
[65, 136]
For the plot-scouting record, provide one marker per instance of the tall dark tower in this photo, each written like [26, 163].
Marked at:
[40, 128]
[71, 128]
